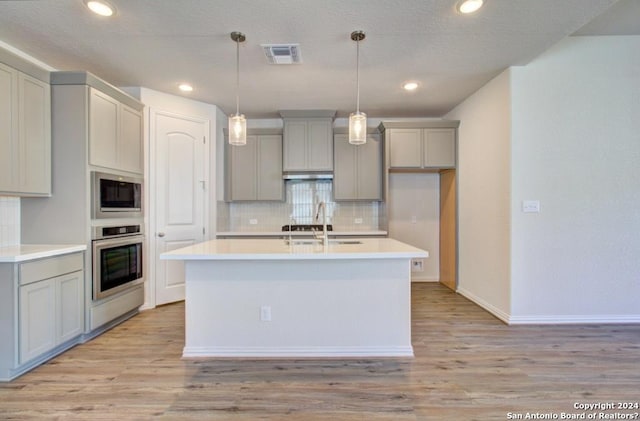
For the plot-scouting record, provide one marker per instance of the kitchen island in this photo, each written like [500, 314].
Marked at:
[298, 298]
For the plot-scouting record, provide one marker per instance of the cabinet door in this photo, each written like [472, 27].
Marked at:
[8, 127]
[34, 115]
[405, 148]
[130, 141]
[69, 306]
[439, 148]
[369, 165]
[243, 170]
[295, 145]
[37, 322]
[320, 146]
[345, 172]
[269, 175]
[103, 130]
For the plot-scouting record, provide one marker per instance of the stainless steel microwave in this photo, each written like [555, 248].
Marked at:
[116, 196]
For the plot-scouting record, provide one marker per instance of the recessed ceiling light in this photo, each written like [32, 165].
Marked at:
[185, 87]
[410, 86]
[101, 8]
[469, 6]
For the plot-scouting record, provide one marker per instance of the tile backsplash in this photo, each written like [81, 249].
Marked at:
[9, 221]
[300, 207]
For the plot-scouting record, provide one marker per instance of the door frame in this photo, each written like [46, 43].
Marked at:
[183, 107]
[152, 191]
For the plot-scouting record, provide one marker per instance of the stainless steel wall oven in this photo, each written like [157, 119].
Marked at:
[117, 259]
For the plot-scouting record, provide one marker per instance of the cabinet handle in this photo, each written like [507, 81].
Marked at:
[161, 234]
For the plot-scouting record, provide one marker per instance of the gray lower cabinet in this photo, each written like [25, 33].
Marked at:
[358, 169]
[42, 311]
[25, 133]
[255, 169]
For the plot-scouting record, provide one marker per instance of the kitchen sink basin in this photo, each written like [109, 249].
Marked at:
[319, 242]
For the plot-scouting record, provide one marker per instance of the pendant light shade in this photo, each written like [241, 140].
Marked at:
[237, 130]
[357, 128]
[237, 121]
[357, 120]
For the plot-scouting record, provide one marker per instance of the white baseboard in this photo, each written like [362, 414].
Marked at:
[550, 319]
[298, 352]
[574, 319]
[485, 305]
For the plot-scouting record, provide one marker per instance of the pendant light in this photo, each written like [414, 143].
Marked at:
[237, 122]
[357, 120]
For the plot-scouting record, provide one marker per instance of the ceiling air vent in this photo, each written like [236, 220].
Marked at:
[282, 53]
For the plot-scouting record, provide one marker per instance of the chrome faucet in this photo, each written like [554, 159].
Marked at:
[325, 237]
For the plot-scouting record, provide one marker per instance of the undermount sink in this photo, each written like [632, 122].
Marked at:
[319, 242]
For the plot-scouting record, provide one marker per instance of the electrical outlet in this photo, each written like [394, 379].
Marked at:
[414, 219]
[358, 221]
[265, 313]
[417, 265]
[531, 206]
[253, 222]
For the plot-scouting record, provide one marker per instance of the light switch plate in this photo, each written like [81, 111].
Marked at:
[253, 222]
[531, 206]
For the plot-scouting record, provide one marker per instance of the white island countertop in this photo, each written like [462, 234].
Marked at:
[26, 252]
[275, 299]
[279, 249]
[282, 234]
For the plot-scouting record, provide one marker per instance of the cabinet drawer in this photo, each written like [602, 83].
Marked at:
[48, 268]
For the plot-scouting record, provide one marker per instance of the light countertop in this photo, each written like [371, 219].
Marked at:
[26, 252]
[376, 233]
[280, 249]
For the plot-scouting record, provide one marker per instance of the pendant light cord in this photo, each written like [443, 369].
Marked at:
[238, 77]
[358, 76]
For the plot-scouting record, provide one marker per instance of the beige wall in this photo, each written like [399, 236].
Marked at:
[576, 148]
[484, 167]
[563, 130]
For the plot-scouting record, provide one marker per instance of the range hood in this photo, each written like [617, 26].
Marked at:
[307, 175]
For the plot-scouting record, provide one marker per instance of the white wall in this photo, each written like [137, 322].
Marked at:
[414, 217]
[9, 221]
[483, 174]
[576, 148]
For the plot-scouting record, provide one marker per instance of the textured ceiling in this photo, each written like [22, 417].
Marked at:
[160, 43]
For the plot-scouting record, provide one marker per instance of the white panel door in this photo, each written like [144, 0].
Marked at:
[179, 199]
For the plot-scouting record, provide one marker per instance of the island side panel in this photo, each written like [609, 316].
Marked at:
[319, 308]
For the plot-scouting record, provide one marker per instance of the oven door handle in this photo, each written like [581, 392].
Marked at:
[118, 241]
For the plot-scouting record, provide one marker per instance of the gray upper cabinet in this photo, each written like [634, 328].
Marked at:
[115, 134]
[358, 169]
[254, 171]
[405, 148]
[308, 140]
[112, 120]
[130, 152]
[25, 129]
[439, 148]
[411, 147]
[103, 129]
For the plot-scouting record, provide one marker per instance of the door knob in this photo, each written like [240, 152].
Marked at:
[161, 234]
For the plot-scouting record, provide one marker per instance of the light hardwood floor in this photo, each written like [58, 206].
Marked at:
[468, 366]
